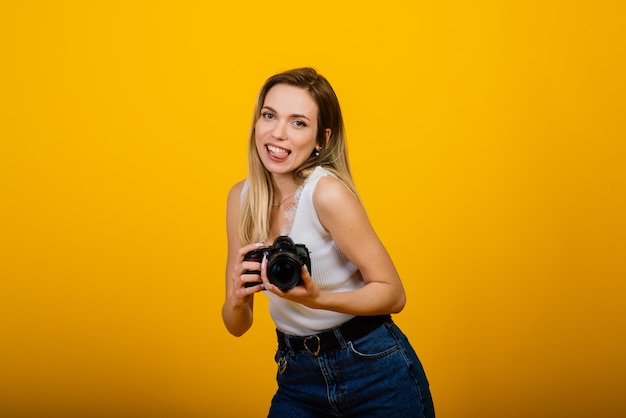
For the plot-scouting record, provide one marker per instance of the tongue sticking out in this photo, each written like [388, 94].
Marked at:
[278, 153]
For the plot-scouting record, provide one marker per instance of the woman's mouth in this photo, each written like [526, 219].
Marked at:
[279, 153]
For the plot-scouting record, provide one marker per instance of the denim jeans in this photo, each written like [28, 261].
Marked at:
[378, 375]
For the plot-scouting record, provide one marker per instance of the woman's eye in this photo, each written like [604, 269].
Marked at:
[267, 115]
[299, 124]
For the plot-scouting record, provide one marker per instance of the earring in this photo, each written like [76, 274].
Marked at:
[317, 152]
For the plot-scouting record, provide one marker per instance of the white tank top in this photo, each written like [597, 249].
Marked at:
[330, 268]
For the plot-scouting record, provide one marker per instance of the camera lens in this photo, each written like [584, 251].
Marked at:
[283, 271]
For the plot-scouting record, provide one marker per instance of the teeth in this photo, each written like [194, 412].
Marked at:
[277, 150]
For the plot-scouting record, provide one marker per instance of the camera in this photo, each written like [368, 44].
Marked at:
[284, 262]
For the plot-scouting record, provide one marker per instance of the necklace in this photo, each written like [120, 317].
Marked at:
[282, 201]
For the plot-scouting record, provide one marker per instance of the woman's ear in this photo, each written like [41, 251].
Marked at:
[328, 133]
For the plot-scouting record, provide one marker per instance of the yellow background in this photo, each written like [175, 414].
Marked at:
[487, 139]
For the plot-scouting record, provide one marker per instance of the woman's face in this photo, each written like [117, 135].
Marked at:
[286, 130]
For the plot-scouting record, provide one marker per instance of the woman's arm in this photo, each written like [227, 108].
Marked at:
[344, 216]
[239, 301]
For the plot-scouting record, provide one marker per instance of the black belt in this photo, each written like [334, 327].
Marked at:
[357, 327]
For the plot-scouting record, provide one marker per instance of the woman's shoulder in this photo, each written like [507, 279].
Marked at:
[237, 187]
[329, 181]
[236, 190]
[330, 191]
[335, 204]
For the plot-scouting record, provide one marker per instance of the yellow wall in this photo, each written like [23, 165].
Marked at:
[487, 139]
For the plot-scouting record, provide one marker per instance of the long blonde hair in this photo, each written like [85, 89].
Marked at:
[254, 221]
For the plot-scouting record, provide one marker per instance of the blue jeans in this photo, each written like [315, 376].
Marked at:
[378, 375]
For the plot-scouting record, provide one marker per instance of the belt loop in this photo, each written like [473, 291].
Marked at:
[342, 342]
[288, 345]
[284, 341]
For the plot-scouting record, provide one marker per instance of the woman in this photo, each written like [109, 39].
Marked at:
[339, 352]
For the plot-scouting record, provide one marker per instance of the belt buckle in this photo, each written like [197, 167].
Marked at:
[306, 344]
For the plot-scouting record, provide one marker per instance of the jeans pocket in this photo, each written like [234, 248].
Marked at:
[377, 344]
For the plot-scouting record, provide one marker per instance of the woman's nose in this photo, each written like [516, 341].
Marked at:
[280, 130]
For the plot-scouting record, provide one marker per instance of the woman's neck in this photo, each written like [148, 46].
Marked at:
[284, 187]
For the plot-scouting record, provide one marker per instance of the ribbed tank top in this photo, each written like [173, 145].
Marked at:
[330, 268]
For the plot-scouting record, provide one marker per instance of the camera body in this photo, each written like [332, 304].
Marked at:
[284, 262]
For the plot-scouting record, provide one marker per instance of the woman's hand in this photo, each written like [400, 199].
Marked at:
[246, 275]
[237, 308]
[305, 293]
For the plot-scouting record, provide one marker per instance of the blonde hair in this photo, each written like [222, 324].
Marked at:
[254, 221]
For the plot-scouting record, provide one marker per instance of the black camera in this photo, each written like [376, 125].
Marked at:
[284, 262]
